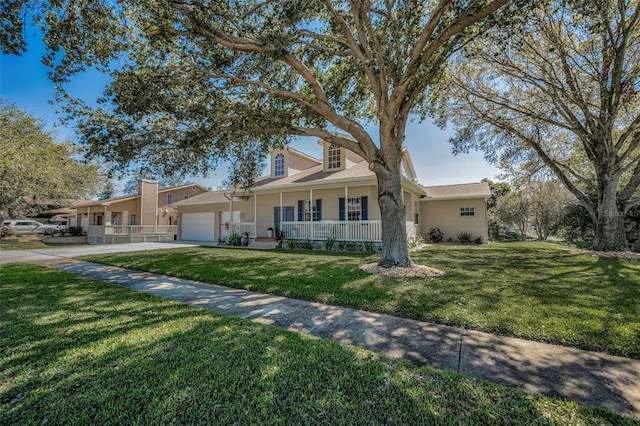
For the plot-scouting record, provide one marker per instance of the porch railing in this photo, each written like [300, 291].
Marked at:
[364, 230]
[242, 227]
[131, 229]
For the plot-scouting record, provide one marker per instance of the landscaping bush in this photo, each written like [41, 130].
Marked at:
[436, 235]
[369, 246]
[75, 230]
[465, 238]
[328, 243]
[235, 239]
[6, 231]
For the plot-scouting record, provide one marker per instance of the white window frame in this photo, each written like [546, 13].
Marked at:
[467, 211]
[334, 157]
[310, 213]
[354, 209]
[278, 165]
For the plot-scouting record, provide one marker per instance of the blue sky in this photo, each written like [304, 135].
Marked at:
[23, 81]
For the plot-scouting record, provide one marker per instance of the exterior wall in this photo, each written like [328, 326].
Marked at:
[178, 194]
[148, 191]
[445, 214]
[267, 202]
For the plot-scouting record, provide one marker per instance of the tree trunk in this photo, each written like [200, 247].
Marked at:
[610, 234]
[395, 251]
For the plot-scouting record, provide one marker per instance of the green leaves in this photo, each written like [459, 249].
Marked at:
[34, 169]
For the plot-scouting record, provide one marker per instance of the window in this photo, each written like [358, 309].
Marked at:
[169, 199]
[278, 165]
[467, 211]
[355, 208]
[132, 219]
[309, 211]
[114, 219]
[186, 196]
[333, 157]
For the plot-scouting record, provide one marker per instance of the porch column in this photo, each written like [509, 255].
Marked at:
[107, 217]
[281, 212]
[255, 215]
[346, 212]
[311, 212]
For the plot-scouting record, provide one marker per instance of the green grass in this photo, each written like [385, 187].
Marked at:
[33, 245]
[536, 291]
[76, 351]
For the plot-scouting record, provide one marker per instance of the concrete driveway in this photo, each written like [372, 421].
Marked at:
[57, 254]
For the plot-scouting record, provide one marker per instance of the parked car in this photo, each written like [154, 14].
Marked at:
[51, 228]
[22, 226]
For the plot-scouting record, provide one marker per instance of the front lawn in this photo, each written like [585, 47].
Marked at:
[76, 351]
[536, 291]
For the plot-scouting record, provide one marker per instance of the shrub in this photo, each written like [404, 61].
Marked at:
[291, 243]
[304, 245]
[435, 235]
[328, 243]
[465, 238]
[478, 240]
[6, 231]
[75, 230]
[235, 239]
[369, 246]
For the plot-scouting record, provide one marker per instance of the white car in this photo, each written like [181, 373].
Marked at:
[22, 226]
[51, 228]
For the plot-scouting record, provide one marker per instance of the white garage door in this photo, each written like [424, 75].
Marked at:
[197, 227]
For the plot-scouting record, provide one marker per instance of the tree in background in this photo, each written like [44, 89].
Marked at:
[513, 211]
[131, 185]
[201, 81]
[36, 171]
[497, 190]
[547, 201]
[563, 92]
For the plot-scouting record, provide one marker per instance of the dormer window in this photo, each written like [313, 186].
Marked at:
[333, 157]
[278, 165]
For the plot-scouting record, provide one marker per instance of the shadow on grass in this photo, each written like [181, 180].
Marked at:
[534, 291]
[76, 351]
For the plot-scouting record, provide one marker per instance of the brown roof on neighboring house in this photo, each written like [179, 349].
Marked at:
[465, 190]
[110, 201]
[206, 198]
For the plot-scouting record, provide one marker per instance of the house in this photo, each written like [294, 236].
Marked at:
[335, 197]
[148, 215]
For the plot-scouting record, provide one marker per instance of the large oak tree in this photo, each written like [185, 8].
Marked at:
[35, 170]
[564, 91]
[197, 80]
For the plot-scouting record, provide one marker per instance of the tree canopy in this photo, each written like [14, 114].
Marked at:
[35, 170]
[561, 91]
[197, 81]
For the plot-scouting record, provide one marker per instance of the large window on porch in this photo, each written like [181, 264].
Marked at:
[354, 208]
[309, 210]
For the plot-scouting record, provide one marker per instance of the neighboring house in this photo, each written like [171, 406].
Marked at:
[148, 215]
[335, 197]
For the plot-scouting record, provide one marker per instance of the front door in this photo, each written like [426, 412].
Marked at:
[288, 216]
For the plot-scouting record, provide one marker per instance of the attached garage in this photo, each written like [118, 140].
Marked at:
[197, 227]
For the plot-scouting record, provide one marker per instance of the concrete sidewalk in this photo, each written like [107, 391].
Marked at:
[590, 378]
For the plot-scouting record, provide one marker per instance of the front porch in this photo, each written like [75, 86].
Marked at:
[117, 234]
[339, 230]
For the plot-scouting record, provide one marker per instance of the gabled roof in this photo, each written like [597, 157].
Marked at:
[464, 190]
[316, 176]
[204, 198]
[110, 201]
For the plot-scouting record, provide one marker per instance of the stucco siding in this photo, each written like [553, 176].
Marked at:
[445, 214]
